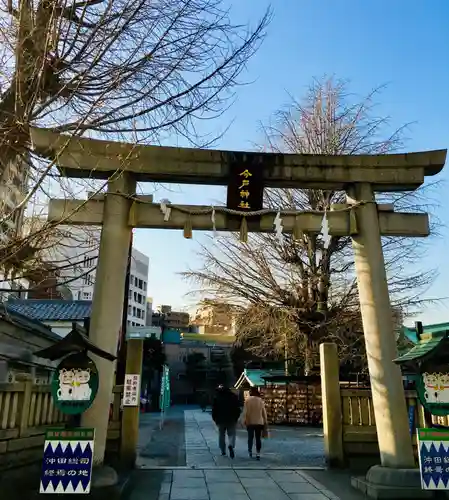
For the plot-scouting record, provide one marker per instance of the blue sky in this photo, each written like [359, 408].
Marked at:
[370, 43]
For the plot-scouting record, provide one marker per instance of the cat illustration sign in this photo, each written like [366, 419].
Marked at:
[75, 384]
[433, 391]
[436, 387]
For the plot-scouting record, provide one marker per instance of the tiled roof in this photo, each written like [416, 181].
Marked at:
[410, 333]
[23, 321]
[52, 310]
[427, 344]
[256, 377]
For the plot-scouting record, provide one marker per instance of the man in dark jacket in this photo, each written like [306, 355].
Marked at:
[225, 413]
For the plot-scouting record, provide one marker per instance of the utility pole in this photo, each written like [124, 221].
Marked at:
[285, 354]
[121, 348]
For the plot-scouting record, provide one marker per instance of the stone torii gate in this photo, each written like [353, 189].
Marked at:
[120, 209]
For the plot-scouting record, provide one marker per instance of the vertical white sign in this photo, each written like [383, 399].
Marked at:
[131, 394]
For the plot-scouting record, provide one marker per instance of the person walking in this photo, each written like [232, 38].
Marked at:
[255, 419]
[225, 414]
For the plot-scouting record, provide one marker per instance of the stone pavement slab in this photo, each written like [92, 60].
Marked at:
[258, 494]
[302, 487]
[189, 494]
[181, 474]
[231, 484]
[221, 476]
[286, 476]
[250, 473]
[189, 482]
[223, 495]
[308, 496]
[231, 488]
[259, 482]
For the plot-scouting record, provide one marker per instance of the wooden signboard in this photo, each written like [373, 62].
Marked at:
[245, 185]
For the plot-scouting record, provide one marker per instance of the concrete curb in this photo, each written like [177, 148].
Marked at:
[224, 467]
[125, 487]
[381, 492]
[319, 486]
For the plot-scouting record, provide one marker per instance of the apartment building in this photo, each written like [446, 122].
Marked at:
[149, 316]
[167, 318]
[75, 255]
[138, 289]
[215, 317]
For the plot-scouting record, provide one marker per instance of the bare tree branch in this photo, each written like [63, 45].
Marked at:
[294, 294]
[136, 70]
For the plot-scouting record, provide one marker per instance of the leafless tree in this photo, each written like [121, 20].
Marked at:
[295, 293]
[137, 70]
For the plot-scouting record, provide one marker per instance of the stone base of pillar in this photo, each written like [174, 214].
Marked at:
[391, 484]
[107, 485]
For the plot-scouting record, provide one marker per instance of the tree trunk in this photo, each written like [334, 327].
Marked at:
[286, 372]
[308, 358]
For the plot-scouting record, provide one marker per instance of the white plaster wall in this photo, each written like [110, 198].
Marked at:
[61, 328]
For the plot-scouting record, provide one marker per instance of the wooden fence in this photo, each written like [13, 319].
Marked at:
[26, 410]
[348, 415]
[359, 434]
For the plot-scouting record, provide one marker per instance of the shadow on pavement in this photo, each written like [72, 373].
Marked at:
[162, 448]
[339, 482]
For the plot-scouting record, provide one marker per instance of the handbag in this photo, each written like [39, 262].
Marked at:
[265, 433]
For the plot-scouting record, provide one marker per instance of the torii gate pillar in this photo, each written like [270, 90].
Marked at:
[386, 380]
[107, 306]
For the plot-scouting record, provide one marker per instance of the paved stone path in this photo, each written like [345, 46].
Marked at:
[183, 462]
[241, 485]
[162, 448]
[189, 438]
[286, 446]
